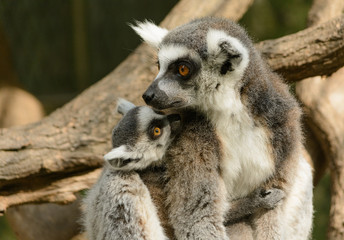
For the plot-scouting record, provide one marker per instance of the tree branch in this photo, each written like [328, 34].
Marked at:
[318, 50]
[48, 190]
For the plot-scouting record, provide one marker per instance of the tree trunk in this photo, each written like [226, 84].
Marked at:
[323, 104]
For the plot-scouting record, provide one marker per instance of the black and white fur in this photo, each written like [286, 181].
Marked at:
[134, 147]
[255, 117]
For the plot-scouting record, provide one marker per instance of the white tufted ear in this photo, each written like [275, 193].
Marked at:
[222, 47]
[124, 106]
[150, 33]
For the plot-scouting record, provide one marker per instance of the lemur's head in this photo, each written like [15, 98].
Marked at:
[197, 61]
[141, 137]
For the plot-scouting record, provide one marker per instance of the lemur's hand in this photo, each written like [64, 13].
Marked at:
[270, 198]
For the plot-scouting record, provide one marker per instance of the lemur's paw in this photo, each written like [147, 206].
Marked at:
[271, 198]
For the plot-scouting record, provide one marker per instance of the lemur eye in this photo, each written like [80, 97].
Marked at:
[156, 132]
[183, 70]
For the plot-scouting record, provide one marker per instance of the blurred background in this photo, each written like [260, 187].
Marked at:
[55, 49]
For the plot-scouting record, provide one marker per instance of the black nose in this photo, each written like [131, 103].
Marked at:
[148, 96]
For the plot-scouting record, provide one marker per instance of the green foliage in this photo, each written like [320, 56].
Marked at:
[322, 204]
[5, 231]
[268, 19]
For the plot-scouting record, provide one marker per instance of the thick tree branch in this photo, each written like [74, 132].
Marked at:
[318, 50]
[57, 191]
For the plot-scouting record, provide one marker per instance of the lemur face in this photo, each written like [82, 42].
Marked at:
[196, 60]
[141, 137]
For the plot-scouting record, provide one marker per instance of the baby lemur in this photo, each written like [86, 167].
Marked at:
[119, 206]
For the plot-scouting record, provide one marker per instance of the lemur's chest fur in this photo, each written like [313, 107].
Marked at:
[247, 158]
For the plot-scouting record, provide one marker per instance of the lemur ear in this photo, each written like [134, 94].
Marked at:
[150, 33]
[115, 153]
[226, 50]
[120, 157]
[124, 106]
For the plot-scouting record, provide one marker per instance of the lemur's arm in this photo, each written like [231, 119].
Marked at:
[259, 199]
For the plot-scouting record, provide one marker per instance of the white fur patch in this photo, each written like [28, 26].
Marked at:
[247, 162]
[150, 33]
[143, 150]
[298, 206]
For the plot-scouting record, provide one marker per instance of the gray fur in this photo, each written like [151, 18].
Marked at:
[196, 202]
[113, 207]
[261, 103]
[126, 131]
[256, 201]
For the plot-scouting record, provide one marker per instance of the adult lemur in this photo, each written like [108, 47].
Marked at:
[119, 206]
[210, 65]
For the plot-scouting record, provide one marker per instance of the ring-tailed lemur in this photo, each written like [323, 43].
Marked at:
[211, 65]
[119, 205]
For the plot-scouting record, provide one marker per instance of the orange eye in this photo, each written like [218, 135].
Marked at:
[183, 70]
[156, 132]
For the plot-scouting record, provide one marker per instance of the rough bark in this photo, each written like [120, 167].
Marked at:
[41, 162]
[60, 191]
[317, 50]
[323, 99]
